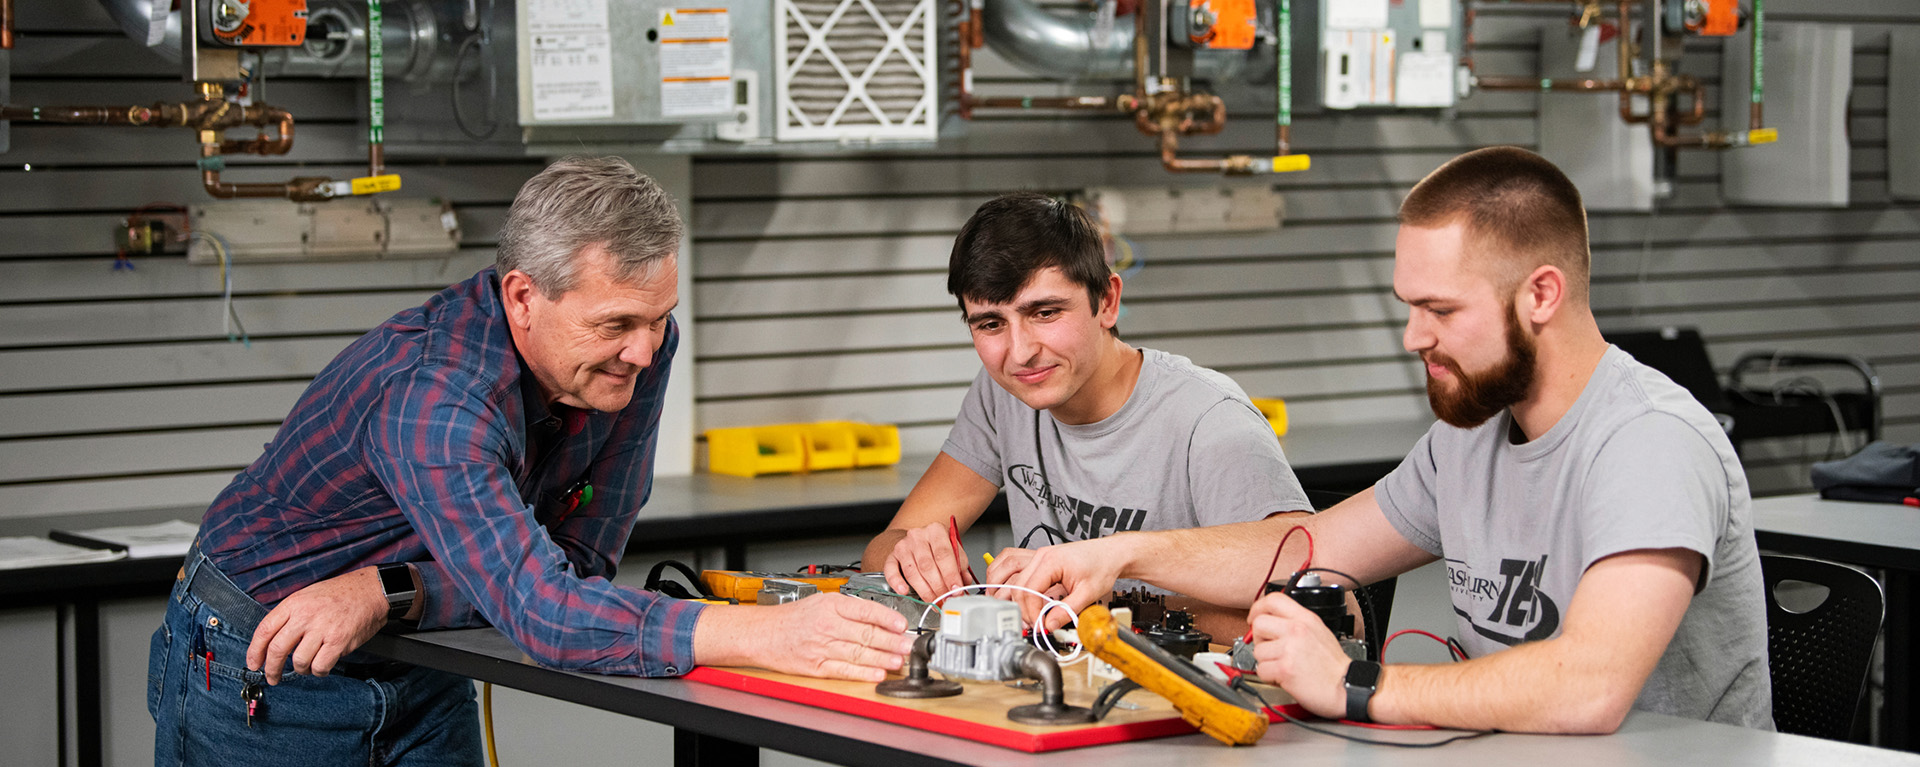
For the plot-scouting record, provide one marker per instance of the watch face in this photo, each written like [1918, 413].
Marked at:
[396, 580]
[1362, 673]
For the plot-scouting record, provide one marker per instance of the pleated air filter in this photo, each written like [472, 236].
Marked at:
[856, 70]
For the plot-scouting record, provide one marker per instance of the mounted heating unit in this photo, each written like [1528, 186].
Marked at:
[856, 70]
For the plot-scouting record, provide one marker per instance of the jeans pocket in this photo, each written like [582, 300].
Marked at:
[157, 667]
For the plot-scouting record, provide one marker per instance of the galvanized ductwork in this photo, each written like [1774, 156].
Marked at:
[336, 44]
[1067, 47]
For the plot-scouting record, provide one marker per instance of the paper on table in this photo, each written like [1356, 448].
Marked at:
[28, 551]
[171, 538]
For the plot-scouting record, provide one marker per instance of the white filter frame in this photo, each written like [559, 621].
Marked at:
[921, 123]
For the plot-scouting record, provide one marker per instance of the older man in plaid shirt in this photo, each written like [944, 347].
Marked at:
[479, 459]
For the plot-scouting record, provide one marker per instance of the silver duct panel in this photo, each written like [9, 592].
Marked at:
[336, 43]
[1064, 48]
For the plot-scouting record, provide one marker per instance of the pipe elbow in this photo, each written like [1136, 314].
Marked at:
[1047, 45]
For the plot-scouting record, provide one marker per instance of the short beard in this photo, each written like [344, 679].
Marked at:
[1481, 396]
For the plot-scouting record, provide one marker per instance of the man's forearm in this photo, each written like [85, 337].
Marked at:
[1534, 687]
[875, 556]
[1223, 565]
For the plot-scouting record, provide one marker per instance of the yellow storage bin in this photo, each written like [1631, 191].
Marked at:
[749, 451]
[829, 444]
[1275, 409]
[876, 444]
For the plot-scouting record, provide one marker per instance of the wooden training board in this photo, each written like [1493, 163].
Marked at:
[979, 713]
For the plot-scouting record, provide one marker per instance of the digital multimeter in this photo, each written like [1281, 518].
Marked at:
[1202, 700]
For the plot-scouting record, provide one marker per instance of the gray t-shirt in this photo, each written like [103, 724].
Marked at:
[1186, 450]
[1636, 463]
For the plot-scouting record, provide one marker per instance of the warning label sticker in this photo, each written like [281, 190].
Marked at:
[696, 62]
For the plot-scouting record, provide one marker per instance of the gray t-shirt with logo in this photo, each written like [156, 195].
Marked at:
[1186, 450]
[1636, 463]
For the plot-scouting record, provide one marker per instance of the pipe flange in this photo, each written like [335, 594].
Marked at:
[1048, 714]
[919, 687]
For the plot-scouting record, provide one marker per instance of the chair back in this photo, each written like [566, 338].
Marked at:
[1820, 657]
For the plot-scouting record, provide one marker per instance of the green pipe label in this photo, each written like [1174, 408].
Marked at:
[376, 80]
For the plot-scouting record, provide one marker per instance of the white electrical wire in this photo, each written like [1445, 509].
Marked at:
[1040, 638]
[229, 318]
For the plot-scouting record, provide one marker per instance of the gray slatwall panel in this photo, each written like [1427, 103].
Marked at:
[37, 370]
[784, 235]
[198, 318]
[41, 234]
[126, 189]
[84, 496]
[189, 406]
[75, 457]
[92, 279]
[820, 279]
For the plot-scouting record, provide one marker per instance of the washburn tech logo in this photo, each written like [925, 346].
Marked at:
[1508, 609]
[1080, 520]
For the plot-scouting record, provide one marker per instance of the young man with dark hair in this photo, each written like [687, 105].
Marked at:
[1089, 435]
[1594, 519]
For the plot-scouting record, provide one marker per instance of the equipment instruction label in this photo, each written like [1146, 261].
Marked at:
[696, 62]
[572, 57]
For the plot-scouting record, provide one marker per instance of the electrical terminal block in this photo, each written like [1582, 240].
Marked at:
[779, 591]
[873, 588]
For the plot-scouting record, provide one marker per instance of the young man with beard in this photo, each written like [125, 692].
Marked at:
[1089, 435]
[1594, 519]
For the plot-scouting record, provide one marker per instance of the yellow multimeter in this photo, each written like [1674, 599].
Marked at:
[1202, 700]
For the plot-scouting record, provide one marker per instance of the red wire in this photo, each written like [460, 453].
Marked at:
[1276, 563]
[1428, 634]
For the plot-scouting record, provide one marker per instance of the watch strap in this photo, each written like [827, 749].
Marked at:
[1362, 680]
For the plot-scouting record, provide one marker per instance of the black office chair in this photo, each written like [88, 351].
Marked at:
[1820, 656]
[1376, 608]
[1785, 401]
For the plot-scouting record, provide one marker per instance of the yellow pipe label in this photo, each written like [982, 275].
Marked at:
[376, 184]
[1763, 136]
[1291, 162]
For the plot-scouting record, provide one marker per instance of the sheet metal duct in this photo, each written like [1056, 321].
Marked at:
[336, 37]
[1065, 46]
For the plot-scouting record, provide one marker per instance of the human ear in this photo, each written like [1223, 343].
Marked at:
[516, 294]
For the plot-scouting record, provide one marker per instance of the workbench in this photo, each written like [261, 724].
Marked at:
[696, 511]
[717, 726]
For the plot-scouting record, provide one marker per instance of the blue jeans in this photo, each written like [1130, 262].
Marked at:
[397, 714]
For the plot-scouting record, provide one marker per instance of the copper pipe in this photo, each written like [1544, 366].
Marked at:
[6, 24]
[261, 144]
[376, 159]
[213, 114]
[1501, 83]
[1046, 102]
[303, 189]
[1282, 139]
[964, 36]
[971, 36]
[1238, 164]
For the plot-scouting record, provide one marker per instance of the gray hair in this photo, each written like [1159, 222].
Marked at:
[582, 201]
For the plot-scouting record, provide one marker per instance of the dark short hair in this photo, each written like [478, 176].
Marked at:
[1520, 211]
[1013, 237]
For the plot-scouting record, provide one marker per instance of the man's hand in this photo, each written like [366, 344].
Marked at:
[1295, 650]
[826, 635]
[1079, 573]
[927, 563]
[319, 624]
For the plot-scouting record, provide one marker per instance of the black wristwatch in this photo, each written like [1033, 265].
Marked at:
[1363, 678]
[397, 581]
